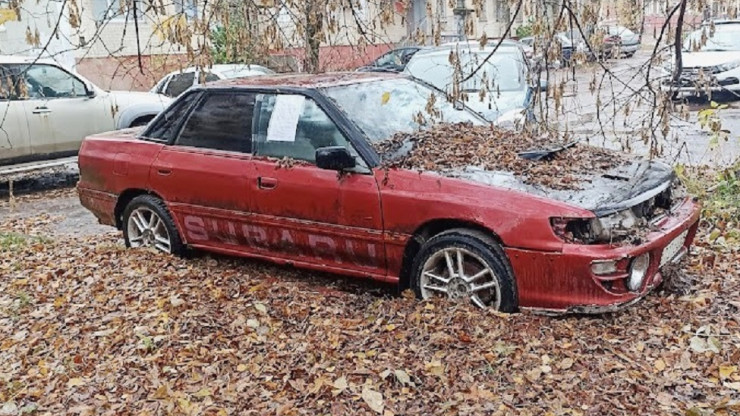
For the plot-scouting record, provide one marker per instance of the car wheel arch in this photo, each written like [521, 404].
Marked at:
[430, 229]
[123, 200]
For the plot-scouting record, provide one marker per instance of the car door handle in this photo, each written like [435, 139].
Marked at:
[164, 172]
[41, 110]
[266, 183]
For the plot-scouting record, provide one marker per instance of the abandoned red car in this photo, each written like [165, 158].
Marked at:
[286, 168]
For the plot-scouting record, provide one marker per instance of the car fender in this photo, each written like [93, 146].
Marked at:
[129, 114]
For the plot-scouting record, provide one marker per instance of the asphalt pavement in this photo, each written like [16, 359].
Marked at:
[611, 107]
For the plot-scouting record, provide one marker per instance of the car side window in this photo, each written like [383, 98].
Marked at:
[210, 77]
[47, 81]
[8, 90]
[179, 83]
[391, 58]
[166, 126]
[220, 121]
[293, 126]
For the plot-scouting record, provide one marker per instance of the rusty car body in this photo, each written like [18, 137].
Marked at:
[283, 168]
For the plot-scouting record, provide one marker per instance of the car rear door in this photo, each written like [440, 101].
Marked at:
[303, 213]
[202, 174]
[14, 137]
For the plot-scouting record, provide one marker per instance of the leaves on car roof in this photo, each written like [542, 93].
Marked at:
[451, 146]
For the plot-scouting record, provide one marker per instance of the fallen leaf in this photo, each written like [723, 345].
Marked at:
[660, 365]
[725, 371]
[566, 363]
[402, 377]
[74, 382]
[176, 301]
[373, 399]
[339, 385]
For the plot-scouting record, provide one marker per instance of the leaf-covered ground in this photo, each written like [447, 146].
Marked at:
[88, 327]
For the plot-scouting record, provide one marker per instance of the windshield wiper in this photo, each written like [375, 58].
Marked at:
[545, 154]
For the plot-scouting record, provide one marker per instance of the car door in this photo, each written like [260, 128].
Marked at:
[15, 142]
[202, 174]
[60, 112]
[303, 213]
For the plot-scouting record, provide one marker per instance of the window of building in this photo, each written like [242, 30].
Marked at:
[189, 8]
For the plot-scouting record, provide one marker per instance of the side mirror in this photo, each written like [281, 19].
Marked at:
[89, 91]
[334, 158]
[543, 85]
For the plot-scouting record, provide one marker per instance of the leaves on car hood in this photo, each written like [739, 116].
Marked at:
[451, 147]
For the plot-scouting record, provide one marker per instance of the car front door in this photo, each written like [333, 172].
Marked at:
[202, 174]
[60, 113]
[15, 142]
[303, 213]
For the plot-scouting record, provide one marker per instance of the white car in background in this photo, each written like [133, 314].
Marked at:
[46, 110]
[175, 83]
[713, 65]
[509, 96]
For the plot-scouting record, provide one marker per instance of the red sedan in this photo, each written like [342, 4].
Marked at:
[284, 168]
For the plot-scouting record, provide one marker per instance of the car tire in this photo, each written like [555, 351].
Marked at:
[486, 278]
[148, 223]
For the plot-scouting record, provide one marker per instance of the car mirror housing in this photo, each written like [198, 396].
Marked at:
[334, 158]
[89, 91]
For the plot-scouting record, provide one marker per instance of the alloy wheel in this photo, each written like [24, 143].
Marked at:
[459, 274]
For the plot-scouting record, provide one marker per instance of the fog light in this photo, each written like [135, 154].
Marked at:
[638, 271]
[601, 267]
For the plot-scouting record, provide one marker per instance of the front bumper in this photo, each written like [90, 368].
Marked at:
[560, 282]
[692, 84]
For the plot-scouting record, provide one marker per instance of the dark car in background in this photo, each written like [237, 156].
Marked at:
[392, 61]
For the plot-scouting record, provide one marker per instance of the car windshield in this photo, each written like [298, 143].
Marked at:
[502, 72]
[725, 38]
[382, 108]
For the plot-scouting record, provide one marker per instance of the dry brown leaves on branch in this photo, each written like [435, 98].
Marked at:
[88, 327]
[453, 146]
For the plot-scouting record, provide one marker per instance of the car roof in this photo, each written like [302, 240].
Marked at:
[723, 22]
[17, 59]
[330, 79]
[218, 68]
[473, 46]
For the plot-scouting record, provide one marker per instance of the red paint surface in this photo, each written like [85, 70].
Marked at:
[355, 224]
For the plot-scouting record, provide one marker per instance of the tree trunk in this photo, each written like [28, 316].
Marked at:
[314, 21]
[678, 68]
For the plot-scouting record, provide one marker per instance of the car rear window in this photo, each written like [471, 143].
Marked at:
[167, 125]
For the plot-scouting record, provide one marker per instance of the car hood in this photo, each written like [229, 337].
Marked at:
[708, 59]
[129, 98]
[499, 103]
[617, 189]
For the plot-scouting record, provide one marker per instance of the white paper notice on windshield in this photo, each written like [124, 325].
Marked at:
[284, 119]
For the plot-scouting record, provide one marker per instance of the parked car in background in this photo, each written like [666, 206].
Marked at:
[504, 77]
[46, 110]
[286, 168]
[175, 83]
[618, 40]
[391, 61]
[572, 44]
[711, 61]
